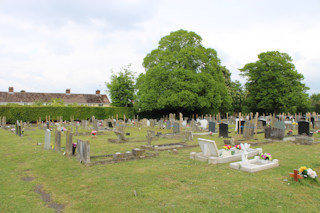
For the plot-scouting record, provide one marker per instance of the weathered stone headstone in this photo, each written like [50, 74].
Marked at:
[47, 139]
[212, 126]
[317, 124]
[57, 145]
[151, 123]
[248, 129]
[83, 153]
[168, 126]
[95, 124]
[303, 127]
[188, 136]
[160, 124]
[68, 143]
[176, 127]
[276, 131]
[223, 130]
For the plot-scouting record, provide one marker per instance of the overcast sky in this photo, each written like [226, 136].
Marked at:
[52, 45]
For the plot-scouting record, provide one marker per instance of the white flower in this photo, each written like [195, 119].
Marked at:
[311, 173]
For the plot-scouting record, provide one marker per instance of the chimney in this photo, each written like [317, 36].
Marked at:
[68, 91]
[97, 92]
[10, 89]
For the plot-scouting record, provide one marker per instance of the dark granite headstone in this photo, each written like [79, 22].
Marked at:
[212, 126]
[303, 127]
[223, 130]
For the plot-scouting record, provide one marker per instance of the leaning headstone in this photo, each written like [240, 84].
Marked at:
[303, 127]
[57, 145]
[223, 130]
[47, 139]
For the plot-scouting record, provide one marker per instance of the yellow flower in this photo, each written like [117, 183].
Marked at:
[302, 168]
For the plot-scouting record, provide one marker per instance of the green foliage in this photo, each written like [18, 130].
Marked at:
[182, 76]
[33, 113]
[121, 87]
[274, 85]
[38, 103]
[315, 103]
[237, 94]
[56, 102]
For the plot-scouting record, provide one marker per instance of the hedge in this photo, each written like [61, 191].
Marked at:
[33, 113]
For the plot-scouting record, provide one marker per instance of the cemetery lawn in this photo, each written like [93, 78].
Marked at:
[168, 183]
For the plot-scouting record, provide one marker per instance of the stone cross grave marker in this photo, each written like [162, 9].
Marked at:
[296, 175]
[208, 147]
[47, 139]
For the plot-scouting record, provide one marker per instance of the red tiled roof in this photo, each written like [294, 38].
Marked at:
[27, 97]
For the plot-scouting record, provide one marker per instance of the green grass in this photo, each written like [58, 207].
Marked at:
[168, 183]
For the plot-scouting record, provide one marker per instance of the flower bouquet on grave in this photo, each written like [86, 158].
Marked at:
[94, 133]
[74, 146]
[307, 172]
[227, 147]
[238, 146]
[266, 156]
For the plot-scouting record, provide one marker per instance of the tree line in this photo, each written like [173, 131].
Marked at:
[182, 75]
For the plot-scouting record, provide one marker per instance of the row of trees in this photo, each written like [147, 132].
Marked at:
[181, 75]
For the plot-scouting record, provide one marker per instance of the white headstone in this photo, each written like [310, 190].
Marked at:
[47, 139]
[208, 147]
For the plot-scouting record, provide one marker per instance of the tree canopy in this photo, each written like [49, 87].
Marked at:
[121, 87]
[274, 84]
[182, 75]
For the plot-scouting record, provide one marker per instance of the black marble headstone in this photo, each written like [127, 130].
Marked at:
[303, 127]
[223, 130]
[241, 126]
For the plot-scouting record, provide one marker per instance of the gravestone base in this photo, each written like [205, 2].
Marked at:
[223, 158]
[254, 165]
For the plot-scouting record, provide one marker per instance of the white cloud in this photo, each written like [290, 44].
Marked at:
[49, 46]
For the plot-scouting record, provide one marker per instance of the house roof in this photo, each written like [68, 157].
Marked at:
[27, 97]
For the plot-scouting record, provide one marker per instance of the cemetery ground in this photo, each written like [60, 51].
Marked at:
[33, 179]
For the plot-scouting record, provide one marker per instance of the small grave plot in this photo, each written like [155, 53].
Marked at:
[135, 154]
[163, 147]
[122, 139]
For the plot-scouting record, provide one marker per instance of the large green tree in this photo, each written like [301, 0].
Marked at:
[315, 102]
[273, 84]
[182, 75]
[121, 87]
